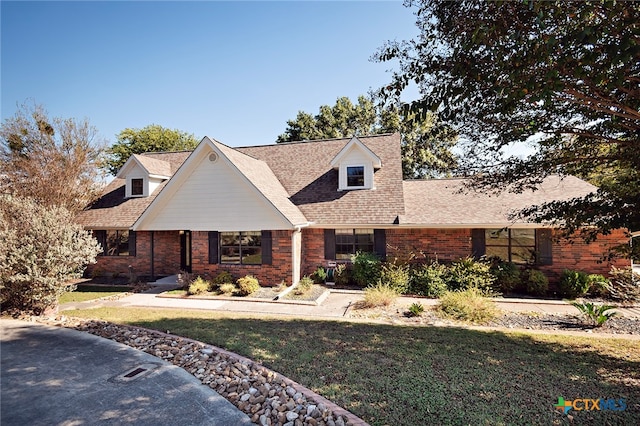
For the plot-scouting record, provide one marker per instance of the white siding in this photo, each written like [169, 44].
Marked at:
[215, 197]
[355, 157]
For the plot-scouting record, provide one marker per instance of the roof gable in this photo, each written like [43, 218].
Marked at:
[218, 188]
[356, 145]
[152, 167]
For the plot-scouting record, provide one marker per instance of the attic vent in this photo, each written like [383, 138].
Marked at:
[213, 157]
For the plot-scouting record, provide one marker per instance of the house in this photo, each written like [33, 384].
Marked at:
[279, 211]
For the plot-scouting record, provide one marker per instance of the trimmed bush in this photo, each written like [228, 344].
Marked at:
[303, 286]
[625, 285]
[379, 295]
[247, 285]
[573, 284]
[507, 275]
[199, 286]
[599, 286]
[342, 275]
[468, 305]
[228, 288]
[366, 268]
[428, 280]
[470, 273]
[395, 276]
[536, 283]
[223, 278]
[319, 276]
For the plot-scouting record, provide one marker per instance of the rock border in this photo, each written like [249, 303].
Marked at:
[267, 397]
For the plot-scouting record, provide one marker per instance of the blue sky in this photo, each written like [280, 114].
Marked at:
[235, 71]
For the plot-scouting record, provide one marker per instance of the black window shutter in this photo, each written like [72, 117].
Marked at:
[213, 247]
[544, 247]
[330, 244]
[267, 257]
[380, 243]
[478, 247]
[132, 243]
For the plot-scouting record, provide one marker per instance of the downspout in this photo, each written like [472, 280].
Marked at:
[296, 260]
[153, 276]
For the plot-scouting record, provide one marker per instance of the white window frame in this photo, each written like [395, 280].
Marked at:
[145, 187]
[343, 178]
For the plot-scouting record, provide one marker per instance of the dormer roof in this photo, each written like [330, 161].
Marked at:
[154, 167]
[355, 143]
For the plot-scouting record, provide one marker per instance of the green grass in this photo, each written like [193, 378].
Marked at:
[422, 375]
[91, 292]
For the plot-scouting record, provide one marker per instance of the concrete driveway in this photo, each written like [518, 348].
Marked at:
[57, 376]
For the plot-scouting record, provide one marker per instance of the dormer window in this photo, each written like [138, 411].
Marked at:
[355, 176]
[137, 187]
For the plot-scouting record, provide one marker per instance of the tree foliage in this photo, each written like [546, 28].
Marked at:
[426, 142]
[52, 160]
[42, 250]
[561, 76]
[152, 138]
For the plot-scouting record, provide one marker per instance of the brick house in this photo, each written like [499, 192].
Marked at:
[279, 211]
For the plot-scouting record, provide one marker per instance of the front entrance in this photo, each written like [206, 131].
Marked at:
[185, 251]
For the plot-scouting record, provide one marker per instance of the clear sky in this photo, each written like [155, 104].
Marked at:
[235, 71]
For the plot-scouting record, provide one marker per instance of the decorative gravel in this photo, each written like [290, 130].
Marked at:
[398, 314]
[267, 397]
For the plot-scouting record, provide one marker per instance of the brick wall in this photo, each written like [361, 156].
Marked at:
[268, 275]
[441, 244]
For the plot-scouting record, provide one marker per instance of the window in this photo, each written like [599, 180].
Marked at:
[241, 248]
[349, 241]
[114, 242]
[137, 186]
[513, 245]
[355, 176]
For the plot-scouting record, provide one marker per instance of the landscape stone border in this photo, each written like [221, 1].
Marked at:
[266, 396]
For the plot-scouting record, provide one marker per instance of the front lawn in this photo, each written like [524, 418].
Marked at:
[91, 292]
[405, 375]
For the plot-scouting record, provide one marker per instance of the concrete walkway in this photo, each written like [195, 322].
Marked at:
[58, 376]
[336, 305]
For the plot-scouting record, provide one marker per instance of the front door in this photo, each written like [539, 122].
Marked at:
[185, 251]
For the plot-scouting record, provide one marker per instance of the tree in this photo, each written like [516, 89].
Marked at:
[152, 138]
[561, 76]
[426, 142]
[52, 160]
[42, 250]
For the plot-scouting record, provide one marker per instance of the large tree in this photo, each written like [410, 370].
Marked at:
[561, 76]
[426, 142]
[152, 138]
[52, 160]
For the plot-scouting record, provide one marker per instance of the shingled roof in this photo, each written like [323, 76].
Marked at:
[304, 170]
[113, 210]
[446, 203]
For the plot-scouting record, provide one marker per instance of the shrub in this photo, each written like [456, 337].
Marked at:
[342, 275]
[416, 309]
[379, 295]
[366, 268]
[428, 280]
[507, 275]
[228, 288]
[42, 249]
[319, 276]
[596, 314]
[247, 285]
[536, 283]
[395, 276]
[470, 273]
[625, 285]
[224, 277]
[303, 286]
[573, 284]
[199, 286]
[599, 286]
[468, 305]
